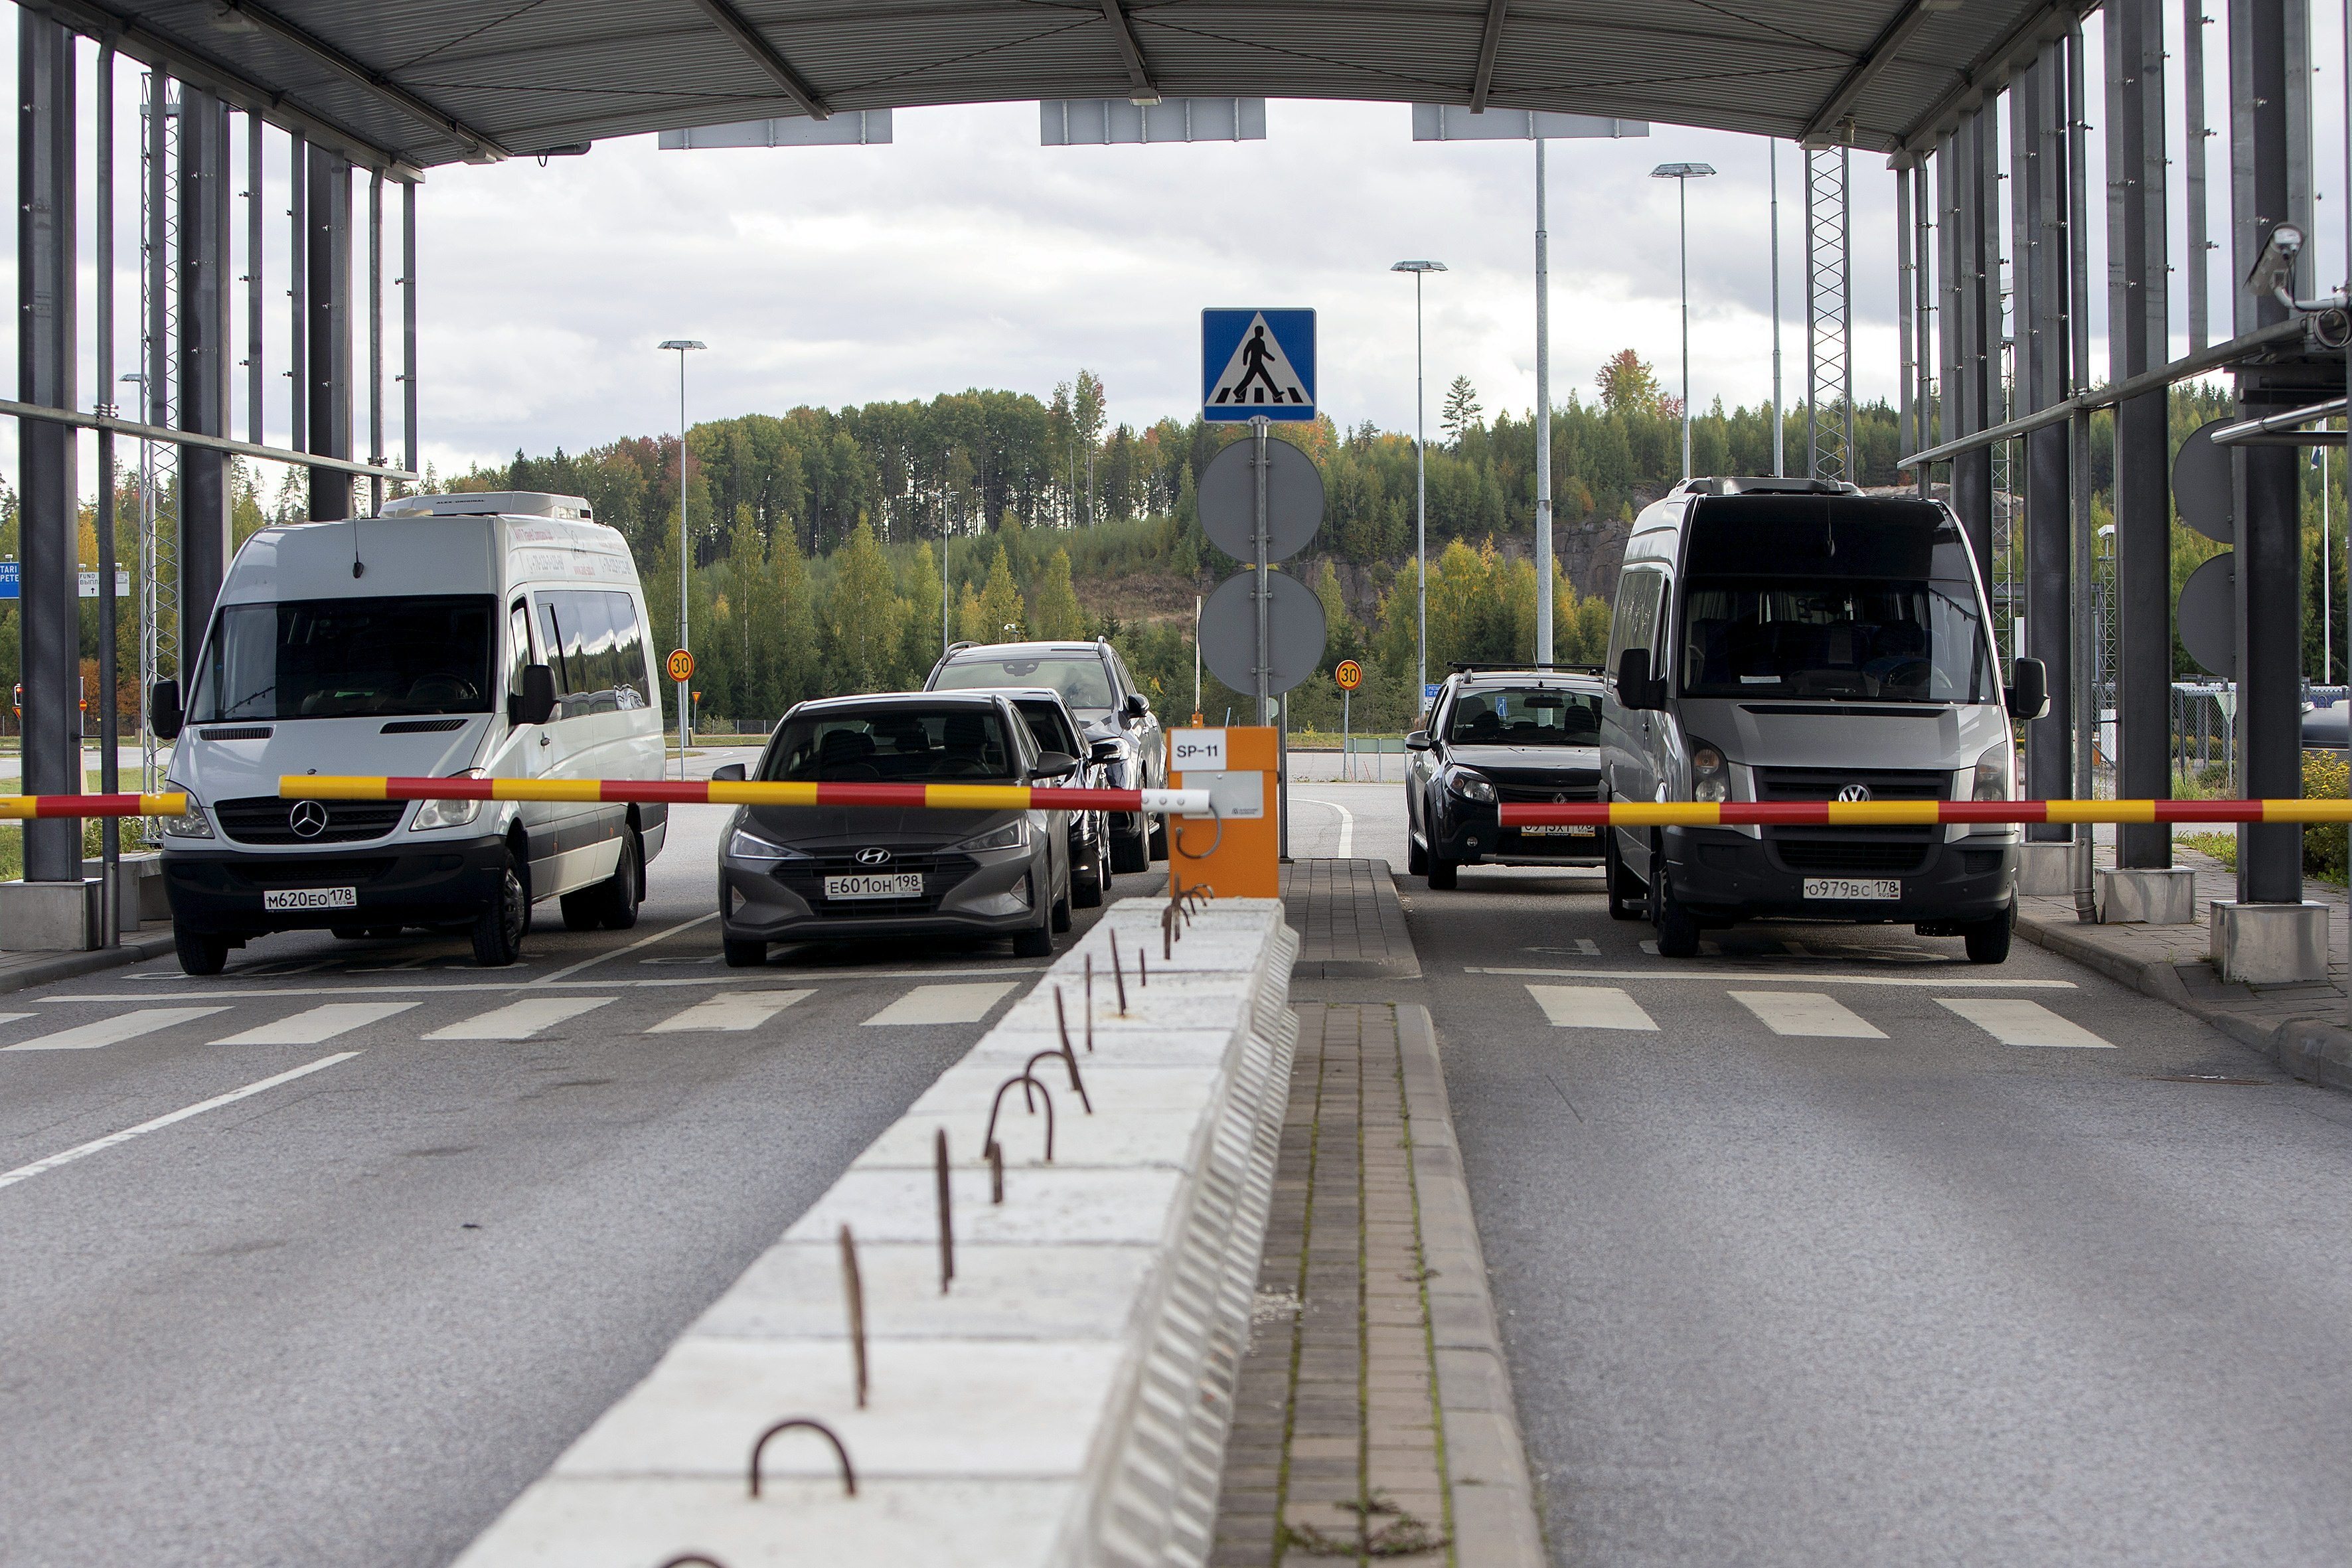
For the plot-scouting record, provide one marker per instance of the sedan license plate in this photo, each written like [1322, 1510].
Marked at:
[1560, 830]
[885, 885]
[1853, 888]
[311, 899]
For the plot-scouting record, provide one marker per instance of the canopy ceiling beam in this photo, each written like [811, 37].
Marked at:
[1821, 129]
[1489, 44]
[482, 147]
[1130, 49]
[752, 42]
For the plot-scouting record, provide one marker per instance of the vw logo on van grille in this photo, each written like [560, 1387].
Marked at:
[874, 856]
[307, 819]
[1853, 792]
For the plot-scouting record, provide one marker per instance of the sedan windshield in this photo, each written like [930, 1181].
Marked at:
[1527, 716]
[1080, 679]
[891, 745]
[341, 658]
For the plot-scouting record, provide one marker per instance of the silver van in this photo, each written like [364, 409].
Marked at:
[1796, 640]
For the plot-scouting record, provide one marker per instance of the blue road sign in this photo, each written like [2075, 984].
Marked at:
[8, 579]
[1257, 362]
[1429, 691]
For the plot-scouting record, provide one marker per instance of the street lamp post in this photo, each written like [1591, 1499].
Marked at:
[1682, 175]
[1419, 481]
[683, 346]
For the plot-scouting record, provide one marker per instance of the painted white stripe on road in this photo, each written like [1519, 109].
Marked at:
[566, 973]
[1591, 1008]
[1808, 1012]
[318, 1025]
[115, 1030]
[738, 1010]
[12, 1017]
[733, 978]
[10, 1178]
[944, 1003]
[2016, 1022]
[1347, 849]
[519, 1020]
[1715, 976]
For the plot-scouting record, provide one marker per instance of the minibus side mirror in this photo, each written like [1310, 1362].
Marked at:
[1417, 740]
[163, 715]
[1054, 766]
[1635, 689]
[2029, 689]
[535, 703]
[732, 773]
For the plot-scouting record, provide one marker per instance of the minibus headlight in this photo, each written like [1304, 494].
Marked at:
[1996, 774]
[1710, 773]
[432, 814]
[193, 824]
[1470, 785]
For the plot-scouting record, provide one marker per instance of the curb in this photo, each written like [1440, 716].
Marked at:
[2314, 1050]
[1493, 1495]
[43, 969]
[1399, 965]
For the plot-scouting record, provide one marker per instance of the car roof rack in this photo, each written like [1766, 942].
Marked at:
[955, 647]
[1479, 666]
[490, 503]
[1761, 485]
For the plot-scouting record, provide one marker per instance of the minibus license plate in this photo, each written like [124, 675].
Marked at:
[889, 884]
[1853, 888]
[311, 899]
[1560, 830]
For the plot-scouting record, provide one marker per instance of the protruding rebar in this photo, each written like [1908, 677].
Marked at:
[848, 1476]
[947, 1216]
[1118, 974]
[995, 1173]
[1062, 1054]
[1028, 1083]
[1091, 1004]
[853, 1287]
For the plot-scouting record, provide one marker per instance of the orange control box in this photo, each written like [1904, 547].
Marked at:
[1237, 852]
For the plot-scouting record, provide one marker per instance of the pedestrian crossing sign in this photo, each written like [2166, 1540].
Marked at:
[1257, 362]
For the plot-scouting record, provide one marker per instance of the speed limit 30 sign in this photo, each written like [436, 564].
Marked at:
[1350, 675]
[681, 665]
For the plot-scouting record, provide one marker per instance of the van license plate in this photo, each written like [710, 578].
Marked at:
[892, 885]
[1852, 888]
[311, 899]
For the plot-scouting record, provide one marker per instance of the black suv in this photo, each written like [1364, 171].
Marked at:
[1095, 686]
[1497, 735]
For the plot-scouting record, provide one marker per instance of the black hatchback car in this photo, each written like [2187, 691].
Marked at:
[1495, 735]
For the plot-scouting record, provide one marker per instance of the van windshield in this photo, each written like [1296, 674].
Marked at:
[1814, 599]
[343, 658]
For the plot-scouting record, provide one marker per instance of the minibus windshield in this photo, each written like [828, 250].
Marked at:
[1833, 600]
[343, 658]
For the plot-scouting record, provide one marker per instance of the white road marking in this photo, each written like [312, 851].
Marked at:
[1347, 825]
[566, 974]
[519, 1020]
[737, 977]
[1808, 1012]
[966, 1004]
[2014, 1021]
[318, 1025]
[115, 1030]
[733, 1010]
[1591, 1008]
[1580, 947]
[22, 1172]
[1714, 977]
[12, 1017]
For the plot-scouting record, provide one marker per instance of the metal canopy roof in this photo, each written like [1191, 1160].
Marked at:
[419, 82]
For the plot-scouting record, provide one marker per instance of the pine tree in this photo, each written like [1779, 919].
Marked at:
[1054, 612]
[864, 614]
[1002, 617]
[1461, 413]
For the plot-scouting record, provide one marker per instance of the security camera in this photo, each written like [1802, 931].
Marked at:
[2273, 272]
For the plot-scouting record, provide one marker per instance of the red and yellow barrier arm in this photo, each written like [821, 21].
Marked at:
[1914, 812]
[15, 807]
[704, 792]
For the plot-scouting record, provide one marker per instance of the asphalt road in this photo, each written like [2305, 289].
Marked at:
[1883, 1288]
[345, 1318]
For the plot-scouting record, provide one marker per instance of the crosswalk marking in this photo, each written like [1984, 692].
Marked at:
[12, 1017]
[115, 1030]
[732, 1010]
[1591, 1008]
[2016, 1022]
[1815, 1013]
[944, 1003]
[317, 1025]
[519, 1020]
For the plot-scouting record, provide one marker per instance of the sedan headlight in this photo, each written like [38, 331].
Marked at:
[745, 845]
[435, 814]
[1014, 834]
[1996, 774]
[1470, 785]
[193, 824]
[1710, 772]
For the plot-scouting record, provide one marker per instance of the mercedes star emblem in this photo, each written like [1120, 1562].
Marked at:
[873, 856]
[309, 818]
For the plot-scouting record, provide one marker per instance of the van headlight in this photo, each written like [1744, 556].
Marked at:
[1470, 785]
[1014, 834]
[1710, 772]
[193, 824]
[1996, 774]
[432, 814]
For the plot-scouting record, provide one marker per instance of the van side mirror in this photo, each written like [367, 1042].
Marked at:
[2029, 689]
[163, 715]
[535, 703]
[731, 773]
[1054, 766]
[1635, 687]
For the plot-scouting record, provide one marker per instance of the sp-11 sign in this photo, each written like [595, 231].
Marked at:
[1197, 749]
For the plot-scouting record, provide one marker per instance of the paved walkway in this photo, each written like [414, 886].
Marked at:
[1349, 924]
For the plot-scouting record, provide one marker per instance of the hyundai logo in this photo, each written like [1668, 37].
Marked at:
[873, 856]
[307, 819]
[1853, 792]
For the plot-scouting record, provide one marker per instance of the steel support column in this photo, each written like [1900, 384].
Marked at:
[49, 611]
[203, 371]
[2139, 341]
[2269, 571]
[328, 278]
[1975, 315]
[2038, 114]
[1829, 323]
